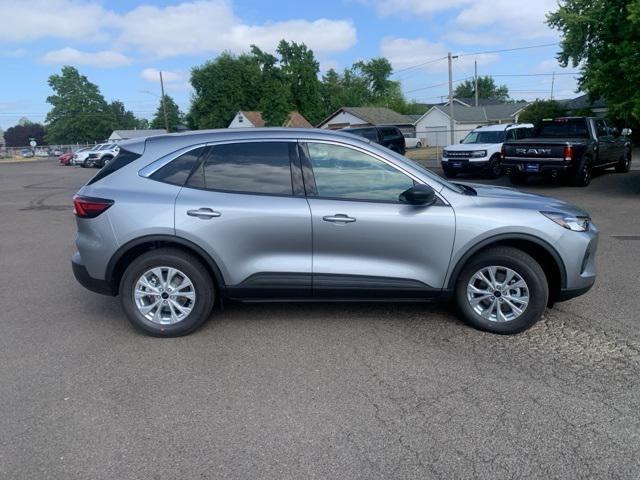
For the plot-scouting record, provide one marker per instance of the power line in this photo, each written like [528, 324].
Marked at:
[437, 85]
[508, 49]
[420, 65]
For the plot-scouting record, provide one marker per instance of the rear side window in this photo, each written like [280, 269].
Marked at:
[390, 132]
[253, 167]
[178, 170]
[368, 133]
[123, 158]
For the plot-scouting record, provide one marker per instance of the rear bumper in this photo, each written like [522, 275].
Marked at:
[533, 166]
[82, 276]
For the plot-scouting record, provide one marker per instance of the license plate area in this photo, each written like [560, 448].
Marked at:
[532, 167]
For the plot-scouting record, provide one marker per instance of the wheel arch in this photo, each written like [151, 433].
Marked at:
[132, 249]
[541, 251]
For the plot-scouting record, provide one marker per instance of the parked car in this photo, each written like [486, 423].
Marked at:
[176, 222]
[65, 158]
[26, 153]
[80, 155]
[41, 152]
[387, 136]
[101, 155]
[479, 151]
[568, 146]
[412, 142]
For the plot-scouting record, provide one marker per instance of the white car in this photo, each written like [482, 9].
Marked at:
[413, 142]
[100, 155]
[80, 155]
[479, 151]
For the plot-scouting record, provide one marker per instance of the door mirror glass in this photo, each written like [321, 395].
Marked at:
[419, 195]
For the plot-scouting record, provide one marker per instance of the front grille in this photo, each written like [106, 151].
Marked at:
[458, 154]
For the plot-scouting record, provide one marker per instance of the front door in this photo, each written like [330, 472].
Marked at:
[366, 243]
[243, 207]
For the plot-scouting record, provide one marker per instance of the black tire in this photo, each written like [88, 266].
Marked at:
[495, 167]
[105, 160]
[517, 177]
[525, 266]
[82, 165]
[419, 145]
[624, 163]
[188, 264]
[581, 177]
[449, 173]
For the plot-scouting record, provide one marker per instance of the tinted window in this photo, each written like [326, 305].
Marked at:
[124, 157]
[368, 133]
[342, 172]
[256, 167]
[524, 132]
[601, 128]
[177, 171]
[484, 137]
[562, 128]
[511, 134]
[390, 132]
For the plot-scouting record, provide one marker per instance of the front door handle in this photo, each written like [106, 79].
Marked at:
[203, 213]
[339, 218]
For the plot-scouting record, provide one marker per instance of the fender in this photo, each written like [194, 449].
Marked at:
[505, 237]
[163, 238]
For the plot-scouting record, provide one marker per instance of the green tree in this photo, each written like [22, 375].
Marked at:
[602, 37]
[175, 117]
[300, 70]
[79, 112]
[123, 119]
[222, 87]
[487, 88]
[275, 103]
[540, 109]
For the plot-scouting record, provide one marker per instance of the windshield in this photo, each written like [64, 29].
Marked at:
[485, 137]
[413, 164]
[106, 147]
[562, 128]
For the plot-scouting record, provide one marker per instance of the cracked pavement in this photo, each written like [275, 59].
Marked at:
[317, 391]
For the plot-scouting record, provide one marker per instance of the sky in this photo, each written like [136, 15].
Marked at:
[121, 45]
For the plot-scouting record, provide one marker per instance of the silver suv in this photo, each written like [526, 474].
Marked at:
[177, 222]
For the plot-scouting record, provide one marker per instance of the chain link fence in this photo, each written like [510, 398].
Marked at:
[40, 151]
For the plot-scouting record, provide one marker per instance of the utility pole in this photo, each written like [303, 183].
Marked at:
[475, 65]
[451, 120]
[164, 106]
[553, 80]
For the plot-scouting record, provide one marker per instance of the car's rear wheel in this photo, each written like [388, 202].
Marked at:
[167, 293]
[582, 176]
[502, 290]
[419, 145]
[624, 163]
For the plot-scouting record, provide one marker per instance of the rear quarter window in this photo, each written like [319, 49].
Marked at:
[123, 158]
[177, 171]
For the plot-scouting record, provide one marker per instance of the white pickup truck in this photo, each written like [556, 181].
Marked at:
[479, 151]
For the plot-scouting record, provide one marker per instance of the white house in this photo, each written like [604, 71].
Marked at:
[120, 135]
[434, 125]
[367, 116]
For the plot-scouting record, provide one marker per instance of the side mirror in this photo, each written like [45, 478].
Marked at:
[461, 141]
[626, 132]
[419, 195]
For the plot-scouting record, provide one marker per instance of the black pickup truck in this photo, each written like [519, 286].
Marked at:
[568, 146]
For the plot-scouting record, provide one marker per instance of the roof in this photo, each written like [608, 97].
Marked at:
[471, 101]
[296, 120]
[126, 134]
[502, 126]
[487, 113]
[373, 115]
[582, 102]
[254, 117]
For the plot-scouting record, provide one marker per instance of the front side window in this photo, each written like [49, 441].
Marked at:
[252, 167]
[601, 128]
[345, 173]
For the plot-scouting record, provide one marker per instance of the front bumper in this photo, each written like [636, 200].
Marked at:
[82, 276]
[466, 165]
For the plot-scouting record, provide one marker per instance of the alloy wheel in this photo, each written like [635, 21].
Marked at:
[164, 295]
[498, 294]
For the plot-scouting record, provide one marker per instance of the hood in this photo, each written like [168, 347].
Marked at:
[512, 198]
[466, 147]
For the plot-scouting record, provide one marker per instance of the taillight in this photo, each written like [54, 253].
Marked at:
[503, 152]
[89, 207]
[568, 153]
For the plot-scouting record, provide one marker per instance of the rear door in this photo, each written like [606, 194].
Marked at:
[245, 205]
[366, 243]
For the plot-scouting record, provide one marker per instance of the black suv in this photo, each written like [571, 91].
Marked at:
[387, 136]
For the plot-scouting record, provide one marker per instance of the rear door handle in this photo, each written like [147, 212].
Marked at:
[203, 213]
[339, 218]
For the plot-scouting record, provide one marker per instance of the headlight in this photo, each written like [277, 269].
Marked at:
[445, 153]
[570, 222]
[479, 154]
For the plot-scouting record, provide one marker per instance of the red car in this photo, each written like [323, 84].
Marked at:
[65, 158]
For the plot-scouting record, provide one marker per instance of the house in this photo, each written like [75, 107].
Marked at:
[579, 104]
[120, 135]
[252, 118]
[367, 116]
[434, 125]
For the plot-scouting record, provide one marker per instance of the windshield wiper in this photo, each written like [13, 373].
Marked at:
[467, 189]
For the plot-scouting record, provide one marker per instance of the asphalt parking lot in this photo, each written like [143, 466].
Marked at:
[297, 391]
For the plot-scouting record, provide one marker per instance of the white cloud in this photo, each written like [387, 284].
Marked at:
[206, 26]
[408, 52]
[414, 7]
[32, 19]
[71, 56]
[153, 75]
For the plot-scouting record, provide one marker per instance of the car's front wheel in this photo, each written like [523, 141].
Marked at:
[502, 290]
[167, 292]
[495, 167]
[624, 162]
